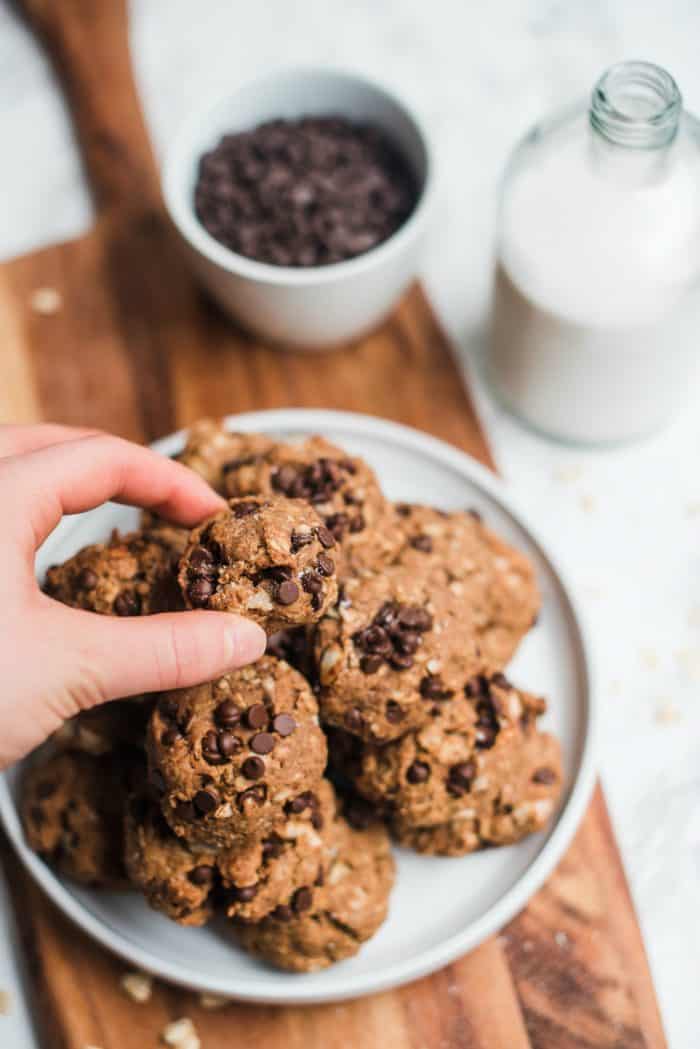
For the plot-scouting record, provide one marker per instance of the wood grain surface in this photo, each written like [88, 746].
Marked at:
[135, 349]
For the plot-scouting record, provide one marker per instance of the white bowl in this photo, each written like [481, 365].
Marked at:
[319, 306]
[440, 908]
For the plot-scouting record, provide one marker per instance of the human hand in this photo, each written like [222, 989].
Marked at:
[55, 660]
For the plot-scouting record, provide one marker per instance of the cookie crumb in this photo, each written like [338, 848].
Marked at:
[667, 713]
[212, 1001]
[46, 301]
[5, 1003]
[588, 503]
[181, 1034]
[139, 986]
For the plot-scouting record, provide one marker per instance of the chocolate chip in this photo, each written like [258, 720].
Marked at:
[300, 539]
[320, 878]
[501, 680]
[418, 772]
[262, 743]
[287, 592]
[433, 687]
[127, 604]
[476, 686]
[185, 811]
[460, 777]
[282, 913]
[370, 664]
[272, 848]
[205, 801]
[401, 662]
[229, 744]
[311, 582]
[201, 875]
[357, 524]
[413, 617]
[394, 713]
[284, 724]
[325, 565]
[87, 579]
[325, 537]
[317, 820]
[253, 768]
[199, 591]
[245, 508]
[337, 525]
[301, 802]
[45, 789]
[284, 479]
[423, 543]
[256, 716]
[227, 714]
[170, 736]
[245, 893]
[545, 776]
[302, 900]
[201, 560]
[252, 796]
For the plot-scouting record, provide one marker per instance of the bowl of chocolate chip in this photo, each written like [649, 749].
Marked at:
[302, 199]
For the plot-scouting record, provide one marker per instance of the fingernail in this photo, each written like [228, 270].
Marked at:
[247, 641]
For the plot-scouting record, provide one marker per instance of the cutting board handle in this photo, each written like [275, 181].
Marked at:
[88, 41]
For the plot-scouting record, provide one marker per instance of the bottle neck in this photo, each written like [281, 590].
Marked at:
[636, 106]
[634, 116]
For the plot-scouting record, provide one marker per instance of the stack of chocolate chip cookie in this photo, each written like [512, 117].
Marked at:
[380, 709]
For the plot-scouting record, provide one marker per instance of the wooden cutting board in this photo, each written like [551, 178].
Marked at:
[134, 349]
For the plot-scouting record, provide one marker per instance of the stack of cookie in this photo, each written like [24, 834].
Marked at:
[381, 707]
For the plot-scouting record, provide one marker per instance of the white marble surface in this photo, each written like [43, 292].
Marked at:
[625, 522]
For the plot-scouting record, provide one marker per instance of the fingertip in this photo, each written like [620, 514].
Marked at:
[246, 640]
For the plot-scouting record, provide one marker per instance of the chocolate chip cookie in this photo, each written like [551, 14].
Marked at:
[281, 869]
[343, 490]
[267, 558]
[396, 643]
[130, 575]
[176, 880]
[478, 773]
[107, 727]
[211, 450]
[227, 756]
[329, 921]
[72, 807]
[496, 581]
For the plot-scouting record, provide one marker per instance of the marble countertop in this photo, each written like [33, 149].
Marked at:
[625, 522]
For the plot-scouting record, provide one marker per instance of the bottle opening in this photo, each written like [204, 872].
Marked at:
[636, 104]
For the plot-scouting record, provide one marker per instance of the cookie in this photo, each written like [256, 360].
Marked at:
[107, 727]
[211, 451]
[478, 773]
[72, 807]
[331, 920]
[493, 579]
[130, 575]
[283, 867]
[228, 755]
[267, 558]
[175, 880]
[395, 643]
[342, 488]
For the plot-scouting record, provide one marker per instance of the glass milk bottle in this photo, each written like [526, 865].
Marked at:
[595, 326]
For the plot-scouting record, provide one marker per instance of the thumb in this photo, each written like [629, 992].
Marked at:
[123, 657]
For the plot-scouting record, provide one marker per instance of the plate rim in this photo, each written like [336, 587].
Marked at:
[499, 913]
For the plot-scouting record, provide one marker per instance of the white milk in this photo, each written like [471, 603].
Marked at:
[596, 309]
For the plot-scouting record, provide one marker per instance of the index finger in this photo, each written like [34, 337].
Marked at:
[74, 476]
[18, 438]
